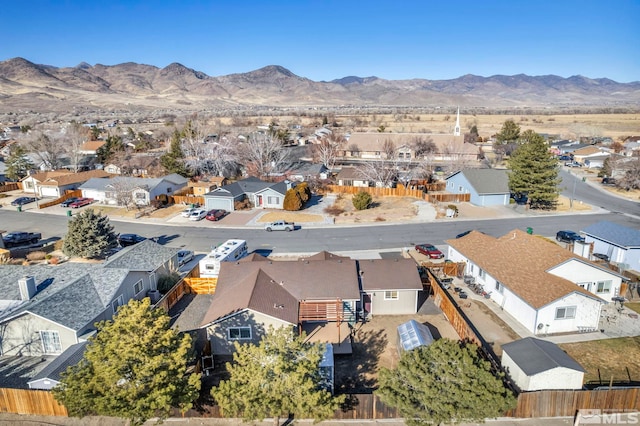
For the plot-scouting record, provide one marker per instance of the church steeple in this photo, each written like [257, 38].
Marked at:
[456, 130]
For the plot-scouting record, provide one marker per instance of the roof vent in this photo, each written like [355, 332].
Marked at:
[27, 286]
[281, 282]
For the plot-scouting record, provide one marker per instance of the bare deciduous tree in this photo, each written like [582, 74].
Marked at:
[121, 190]
[46, 148]
[75, 136]
[262, 154]
[328, 149]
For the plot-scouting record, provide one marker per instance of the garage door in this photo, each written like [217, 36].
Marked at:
[49, 191]
[219, 203]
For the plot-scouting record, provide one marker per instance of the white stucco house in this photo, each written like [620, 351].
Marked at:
[535, 364]
[545, 287]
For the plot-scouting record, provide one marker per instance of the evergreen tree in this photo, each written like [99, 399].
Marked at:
[89, 235]
[362, 200]
[509, 133]
[106, 152]
[18, 164]
[445, 382]
[292, 201]
[135, 368]
[173, 161]
[534, 172]
[280, 376]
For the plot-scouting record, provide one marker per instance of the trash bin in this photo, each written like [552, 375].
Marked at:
[192, 205]
[584, 179]
[68, 212]
[19, 208]
[529, 230]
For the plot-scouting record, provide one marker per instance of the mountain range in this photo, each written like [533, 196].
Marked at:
[28, 86]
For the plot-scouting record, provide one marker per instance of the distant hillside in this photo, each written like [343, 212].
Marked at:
[40, 88]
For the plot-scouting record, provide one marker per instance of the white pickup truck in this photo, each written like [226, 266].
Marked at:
[280, 225]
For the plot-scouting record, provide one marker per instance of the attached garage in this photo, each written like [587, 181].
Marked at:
[49, 191]
[219, 203]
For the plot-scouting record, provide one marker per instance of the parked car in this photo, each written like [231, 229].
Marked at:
[569, 237]
[608, 181]
[69, 201]
[565, 158]
[184, 256]
[198, 214]
[280, 225]
[573, 164]
[21, 201]
[80, 202]
[430, 251]
[129, 239]
[187, 212]
[216, 214]
[462, 234]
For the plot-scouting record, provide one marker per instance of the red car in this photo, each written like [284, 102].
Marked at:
[216, 214]
[81, 202]
[429, 250]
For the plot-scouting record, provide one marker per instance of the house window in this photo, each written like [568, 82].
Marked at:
[239, 333]
[141, 195]
[377, 154]
[137, 287]
[482, 274]
[169, 190]
[568, 312]
[400, 155]
[51, 342]
[391, 295]
[29, 184]
[347, 182]
[499, 287]
[273, 200]
[586, 285]
[117, 303]
[603, 287]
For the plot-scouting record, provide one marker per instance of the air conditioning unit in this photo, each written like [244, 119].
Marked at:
[154, 295]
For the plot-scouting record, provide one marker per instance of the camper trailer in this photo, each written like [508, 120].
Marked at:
[229, 251]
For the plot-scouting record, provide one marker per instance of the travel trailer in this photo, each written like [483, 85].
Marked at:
[229, 251]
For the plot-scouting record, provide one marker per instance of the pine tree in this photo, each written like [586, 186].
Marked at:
[280, 376]
[445, 382]
[135, 368]
[362, 200]
[18, 165]
[173, 161]
[534, 172]
[89, 235]
[509, 133]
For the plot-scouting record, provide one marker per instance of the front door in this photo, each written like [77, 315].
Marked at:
[366, 303]
[258, 200]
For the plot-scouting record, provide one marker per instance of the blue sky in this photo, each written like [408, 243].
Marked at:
[326, 40]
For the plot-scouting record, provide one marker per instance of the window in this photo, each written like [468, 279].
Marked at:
[239, 333]
[482, 274]
[273, 200]
[140, 195]
[603, 286]
[567, 312]
[137, 287]
[391, 295]
[499, 287]
[51, 342]
[169, 190]
[117, 303]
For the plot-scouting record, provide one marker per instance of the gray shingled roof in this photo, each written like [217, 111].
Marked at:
[147, 255]
[72, 356]
[134, 182]
[487, 181]
[615, 234]
[389, 274]
[534, 356]
[250, 185]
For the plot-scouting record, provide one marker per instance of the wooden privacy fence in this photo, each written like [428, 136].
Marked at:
[201, 285]
[30, 401]
[192, 199]
[14, 186]
[69, 194]
[172, 297]
[378, 192]
[447, 197]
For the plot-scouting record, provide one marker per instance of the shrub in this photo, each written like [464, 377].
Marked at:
[380, 219]
[166, 282]
[36, 255]
[362, 200]
[333, 210]
[303, 190]
[292, 201]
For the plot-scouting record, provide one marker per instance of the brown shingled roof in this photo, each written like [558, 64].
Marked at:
[520, 262]
[72, 178]
[92, 145]
[325, 255]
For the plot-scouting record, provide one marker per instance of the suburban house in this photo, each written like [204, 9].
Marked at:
[31, 182]
[142, 165]
[58, 186]
[91, 147]
[202, 187]
[265, 195]
[620, 243]
[353, 176]
[371, 146]
[535, 364]
[302, 171]
[545, 287]
[323, 291]
[45, 309]
[487, 187]
[591, 156]
[123, 190]
[558, 147]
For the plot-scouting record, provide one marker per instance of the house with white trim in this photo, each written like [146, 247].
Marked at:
[487, 187]
[620, 243]
[545, 287]
[261, 194]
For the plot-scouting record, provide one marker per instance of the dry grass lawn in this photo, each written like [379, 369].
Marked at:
[382, 209]
[611, 356]
[295, 217]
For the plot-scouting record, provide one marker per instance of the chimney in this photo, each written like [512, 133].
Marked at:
[27, 287]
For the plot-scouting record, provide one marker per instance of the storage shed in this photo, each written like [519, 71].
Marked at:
[412, 334]
[535, 364]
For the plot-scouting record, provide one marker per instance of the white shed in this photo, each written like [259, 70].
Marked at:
[535, 364]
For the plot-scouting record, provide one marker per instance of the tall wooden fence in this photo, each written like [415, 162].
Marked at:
[191, 199]
[70, 194]
[30, 401]
[13, 186]
[401, 191]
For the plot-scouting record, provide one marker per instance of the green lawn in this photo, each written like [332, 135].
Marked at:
[635, 306]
